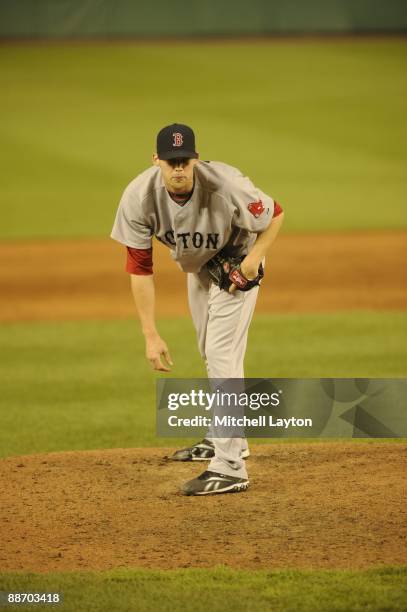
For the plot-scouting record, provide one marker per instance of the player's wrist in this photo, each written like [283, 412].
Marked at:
[150, 333]
[253, 259]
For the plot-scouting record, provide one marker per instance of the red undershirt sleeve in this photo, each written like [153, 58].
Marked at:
[139, 261]
[277, 209]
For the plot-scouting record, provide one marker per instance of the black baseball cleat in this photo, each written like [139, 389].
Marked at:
[201, 451]
[209, 483]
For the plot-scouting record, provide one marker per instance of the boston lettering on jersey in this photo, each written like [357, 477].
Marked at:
[187, 239]
[225, 209]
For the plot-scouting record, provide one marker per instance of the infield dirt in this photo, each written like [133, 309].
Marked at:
[323, 505]
[62, 280]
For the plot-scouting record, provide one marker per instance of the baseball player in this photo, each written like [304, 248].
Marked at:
[218, 226]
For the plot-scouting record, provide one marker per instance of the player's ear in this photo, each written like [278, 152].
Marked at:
[156, 161]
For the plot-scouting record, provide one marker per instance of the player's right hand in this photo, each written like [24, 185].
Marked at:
[158, 354]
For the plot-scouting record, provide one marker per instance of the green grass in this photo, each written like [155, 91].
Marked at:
[84, 385]
[318, 125]
[219, 589]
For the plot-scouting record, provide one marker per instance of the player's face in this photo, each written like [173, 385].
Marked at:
[178, 173]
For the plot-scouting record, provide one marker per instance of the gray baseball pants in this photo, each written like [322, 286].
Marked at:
[222, 322]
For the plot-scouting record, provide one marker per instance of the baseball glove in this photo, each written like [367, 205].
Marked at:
[225, 270]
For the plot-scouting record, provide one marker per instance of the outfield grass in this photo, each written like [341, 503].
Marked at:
[319, 125]
[219, 589]
[84, 385]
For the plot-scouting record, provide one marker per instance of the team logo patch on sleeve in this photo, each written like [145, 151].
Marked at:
[256, 208]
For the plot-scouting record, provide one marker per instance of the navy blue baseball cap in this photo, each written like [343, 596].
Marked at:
[176, 140]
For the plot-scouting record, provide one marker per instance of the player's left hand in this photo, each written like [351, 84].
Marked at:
[249, 268]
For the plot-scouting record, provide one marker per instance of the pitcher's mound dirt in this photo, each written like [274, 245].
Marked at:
[323, 505]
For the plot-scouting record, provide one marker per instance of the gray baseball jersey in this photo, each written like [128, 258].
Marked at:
[225, 209]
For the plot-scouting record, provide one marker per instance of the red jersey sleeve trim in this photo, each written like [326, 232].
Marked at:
[139, 261]
[277, 209]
